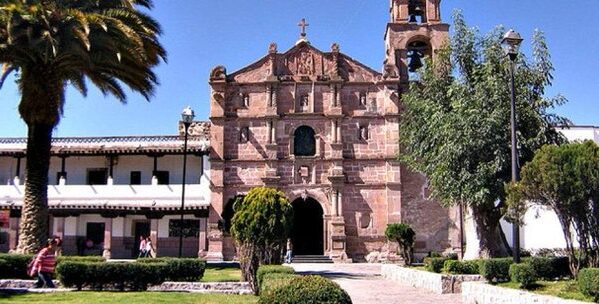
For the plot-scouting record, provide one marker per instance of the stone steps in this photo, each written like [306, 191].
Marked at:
[319, 259]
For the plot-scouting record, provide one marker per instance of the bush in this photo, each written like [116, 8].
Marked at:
[524, 274]
[460, 267]
[434, 264]
[273, 280]
[405, 236]
[495, 270]
[266, 269]
[179, 270]
[588, 282]
[120, 276]
[306, 290]
[14, 266]
[550, 268]
[77, 258]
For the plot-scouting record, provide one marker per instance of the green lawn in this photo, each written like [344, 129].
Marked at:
[222, 274]
[562, 289]
[87, 297]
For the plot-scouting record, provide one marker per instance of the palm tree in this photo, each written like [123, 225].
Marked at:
[54, 43]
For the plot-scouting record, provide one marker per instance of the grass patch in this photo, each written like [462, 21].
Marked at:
[567, 289]
[86, 297]
[221, 274]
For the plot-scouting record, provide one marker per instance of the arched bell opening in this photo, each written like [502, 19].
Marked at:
[417, 11]
[416, 51]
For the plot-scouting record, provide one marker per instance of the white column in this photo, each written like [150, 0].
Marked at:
[107, 238]
[202, 237]
[13, 233]
[154, 234]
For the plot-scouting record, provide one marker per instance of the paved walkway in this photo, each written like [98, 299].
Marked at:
[365, 285]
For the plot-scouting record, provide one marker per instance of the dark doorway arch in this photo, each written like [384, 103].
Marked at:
[307, 234]
[304, 141]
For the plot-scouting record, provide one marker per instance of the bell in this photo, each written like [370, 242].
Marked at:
[415, 62]
[413, 19]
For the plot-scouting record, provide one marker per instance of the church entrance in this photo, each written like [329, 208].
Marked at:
[307, 234]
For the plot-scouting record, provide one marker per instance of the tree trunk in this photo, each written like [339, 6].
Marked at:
[483, 233]
[249, 261]
[33, 231]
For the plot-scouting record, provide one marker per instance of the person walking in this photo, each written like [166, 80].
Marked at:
[289, 253]
[150, 253]
[142, 247]
[44, 265]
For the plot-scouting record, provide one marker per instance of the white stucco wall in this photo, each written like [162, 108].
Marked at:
[542, 228]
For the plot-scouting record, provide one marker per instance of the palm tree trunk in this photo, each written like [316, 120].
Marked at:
[34, 213]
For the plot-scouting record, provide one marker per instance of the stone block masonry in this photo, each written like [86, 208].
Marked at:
[434, 282]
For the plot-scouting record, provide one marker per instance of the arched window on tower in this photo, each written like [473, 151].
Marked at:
[417, 11]
[304, 142]
[416, 53]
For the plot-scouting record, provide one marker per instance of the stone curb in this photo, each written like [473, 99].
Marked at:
[482, 293]
[434, 282]
[196, 287]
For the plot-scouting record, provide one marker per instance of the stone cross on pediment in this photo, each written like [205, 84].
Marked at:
[303, 26]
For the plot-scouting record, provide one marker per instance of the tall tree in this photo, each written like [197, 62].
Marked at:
[455, 126]
[566, 179]
[54, 43]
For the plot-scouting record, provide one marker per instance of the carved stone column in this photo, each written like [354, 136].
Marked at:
[154, 234]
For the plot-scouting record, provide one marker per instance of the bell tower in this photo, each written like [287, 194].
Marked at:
[415, 31]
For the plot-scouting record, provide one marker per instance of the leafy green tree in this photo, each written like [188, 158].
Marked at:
[260, 226]
[405, 236]
[54, 43]
[455, 126]
[566, 179]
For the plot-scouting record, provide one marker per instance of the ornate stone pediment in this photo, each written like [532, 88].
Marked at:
[305, 62]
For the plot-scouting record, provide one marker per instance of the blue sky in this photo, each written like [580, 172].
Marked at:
[201, 34]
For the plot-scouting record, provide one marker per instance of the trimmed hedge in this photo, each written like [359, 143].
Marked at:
[179, 270]
[15, 265]
[588, 282]
[119, 276]
[524, 274]
[306, 290]
[549, 268]
[460, 267]
[495, 270]
[434, 264]
[264, 269]
[273, 280]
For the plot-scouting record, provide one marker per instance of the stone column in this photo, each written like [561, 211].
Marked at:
[59, 225]
[202, 237]
[154, 234]
[107, 238]
[13, 233]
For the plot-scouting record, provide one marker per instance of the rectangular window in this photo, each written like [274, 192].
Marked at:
[94, 237]
[191, 228]
[162, 176]
[97, 176]
[135, 178]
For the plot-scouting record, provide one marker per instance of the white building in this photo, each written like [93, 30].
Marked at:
[106, 192]
[542, 228]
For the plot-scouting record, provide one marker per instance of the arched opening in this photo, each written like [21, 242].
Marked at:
[228, 213]
[307, 234]
[304, 141]
[416, 53]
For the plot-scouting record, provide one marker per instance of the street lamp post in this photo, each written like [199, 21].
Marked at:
[187, 117]
[511, 41]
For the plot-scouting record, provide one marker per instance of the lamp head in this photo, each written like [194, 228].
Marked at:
[511, 41]
[187, 115]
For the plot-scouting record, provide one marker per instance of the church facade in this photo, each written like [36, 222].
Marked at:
[324, 129]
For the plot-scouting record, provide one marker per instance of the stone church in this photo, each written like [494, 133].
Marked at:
[324, 129]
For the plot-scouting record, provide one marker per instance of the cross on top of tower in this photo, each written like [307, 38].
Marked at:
[303, 26]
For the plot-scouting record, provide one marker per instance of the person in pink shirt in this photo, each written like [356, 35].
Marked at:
[44, 264]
